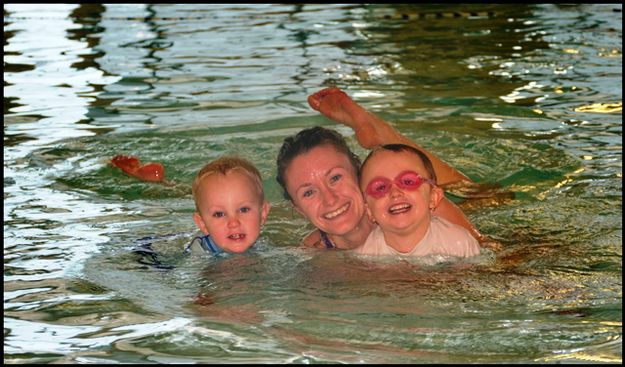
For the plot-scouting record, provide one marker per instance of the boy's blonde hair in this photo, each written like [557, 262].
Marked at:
[224, 165]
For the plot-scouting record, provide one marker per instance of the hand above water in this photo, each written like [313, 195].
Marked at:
[151, 172]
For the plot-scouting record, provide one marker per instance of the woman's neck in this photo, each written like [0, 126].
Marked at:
[355, 237]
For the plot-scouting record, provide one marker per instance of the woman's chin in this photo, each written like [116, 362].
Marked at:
[340, 227]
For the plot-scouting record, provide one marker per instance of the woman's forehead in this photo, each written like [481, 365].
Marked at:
[318, 162]
[324, 157]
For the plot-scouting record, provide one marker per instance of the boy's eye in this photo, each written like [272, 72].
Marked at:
[409, 180]
[245, 209]
[218, 214]
[378, 187]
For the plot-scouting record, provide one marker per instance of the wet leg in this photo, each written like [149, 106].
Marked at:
[371, 130]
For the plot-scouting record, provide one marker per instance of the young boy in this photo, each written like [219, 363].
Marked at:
[399, 185]
[230, 205]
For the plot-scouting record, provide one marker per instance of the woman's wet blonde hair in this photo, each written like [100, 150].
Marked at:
[224, 165]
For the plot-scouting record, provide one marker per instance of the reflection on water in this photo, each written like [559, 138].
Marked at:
[527, 96]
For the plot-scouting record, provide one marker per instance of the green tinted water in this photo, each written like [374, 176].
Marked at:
[505, 93]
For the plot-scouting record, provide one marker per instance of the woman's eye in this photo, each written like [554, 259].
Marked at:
[218, 214]
[336, 177]
[307, 193]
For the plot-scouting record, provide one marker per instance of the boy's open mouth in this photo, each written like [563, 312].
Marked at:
[399, 208]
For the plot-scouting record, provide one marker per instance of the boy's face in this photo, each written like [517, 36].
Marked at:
[230, 210]
[395, 199]
[324, 189]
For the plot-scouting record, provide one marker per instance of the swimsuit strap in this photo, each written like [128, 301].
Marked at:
[206, 243]
[326, 240]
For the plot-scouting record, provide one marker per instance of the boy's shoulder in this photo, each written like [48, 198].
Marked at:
[449, 229]
[456, 237]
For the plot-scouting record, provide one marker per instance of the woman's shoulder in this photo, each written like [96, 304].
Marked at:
[313, 239]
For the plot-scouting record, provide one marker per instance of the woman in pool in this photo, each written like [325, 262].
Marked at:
[319, 173]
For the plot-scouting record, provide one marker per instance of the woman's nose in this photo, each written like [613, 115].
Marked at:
[329, 196]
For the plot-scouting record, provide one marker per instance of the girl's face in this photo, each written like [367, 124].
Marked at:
[230, 210]
[398, 193]
[324, 188]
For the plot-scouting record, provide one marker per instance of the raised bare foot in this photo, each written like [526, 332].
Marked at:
[336, 105]
[370, 130]
[152, 172]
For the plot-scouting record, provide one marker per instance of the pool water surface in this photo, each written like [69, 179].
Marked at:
[525, 96]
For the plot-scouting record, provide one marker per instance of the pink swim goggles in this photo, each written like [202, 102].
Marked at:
[406, 180]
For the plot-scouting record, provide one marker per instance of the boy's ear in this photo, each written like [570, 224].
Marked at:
[197, 218]
[369, 213]
[264, 212]
[436, 195]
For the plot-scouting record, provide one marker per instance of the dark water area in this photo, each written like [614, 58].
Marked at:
[525, 96]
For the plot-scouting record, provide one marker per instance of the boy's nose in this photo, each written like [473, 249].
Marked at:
[233, 222]
[395, 191]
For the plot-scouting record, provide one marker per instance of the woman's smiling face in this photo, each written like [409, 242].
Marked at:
[324, 188]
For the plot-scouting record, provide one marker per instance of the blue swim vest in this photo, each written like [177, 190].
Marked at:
[206, 243]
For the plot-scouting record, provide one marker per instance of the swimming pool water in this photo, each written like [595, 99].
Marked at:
[526, 96]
